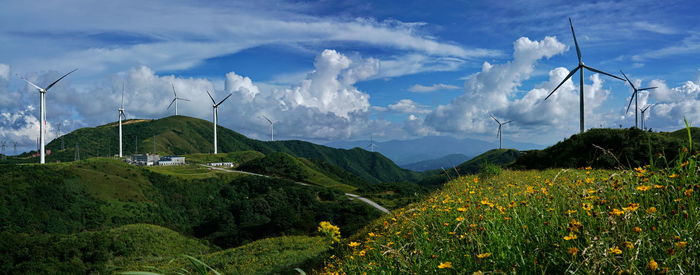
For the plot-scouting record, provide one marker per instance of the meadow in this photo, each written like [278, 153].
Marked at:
[579, 220]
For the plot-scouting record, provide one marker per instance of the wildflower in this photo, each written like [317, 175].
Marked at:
[459, 219]
[631, 207]
[569, 212]
[353, 244]
[571, 236]
[673, 176]
[483, 255]
[652, 265]
[640, 170]
[587, 206]
[445, 265]
[685, 164]
[462, 209]
[329, 230]
[688, 192]
[616, 212]
[629, 245]
[362, 253]
[657, 186]
[643, 188]
[572, 250]
[589, 180]
[476, 179]
[574, 225]
[651, 210]
[478, 272]
[588, 168]
[371, 234]
[681, 244]
[637, 229]
[473, 225]
[615, 250]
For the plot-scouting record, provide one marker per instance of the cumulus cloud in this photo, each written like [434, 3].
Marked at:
[417, 88]
[671, 105]
[490, 89]
[408, 106]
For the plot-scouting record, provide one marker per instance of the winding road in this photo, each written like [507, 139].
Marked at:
[352, 196]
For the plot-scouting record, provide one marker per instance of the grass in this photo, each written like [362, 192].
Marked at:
[266, 256]
[550, 221]
[192, 172]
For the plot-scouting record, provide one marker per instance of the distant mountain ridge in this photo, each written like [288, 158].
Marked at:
[447, 161]
[186, 135]
[405, 152]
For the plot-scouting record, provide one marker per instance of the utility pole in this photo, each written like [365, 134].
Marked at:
[76, 157]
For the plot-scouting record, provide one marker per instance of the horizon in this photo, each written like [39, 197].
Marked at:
[337, 71]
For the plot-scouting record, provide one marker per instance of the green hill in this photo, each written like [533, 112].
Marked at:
[181, 135]
[499, 157]
[610, 148]
[227, 209]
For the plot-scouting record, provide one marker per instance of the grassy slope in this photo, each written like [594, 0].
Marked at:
[500, 157]
[551, 221]
[186, 135]
[629, 148]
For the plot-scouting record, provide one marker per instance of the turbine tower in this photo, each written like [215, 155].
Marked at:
[42, 113]
[371, 145]
[272, 128]
[121, 115]
[215, 111]
[579, 68]
[499, 134]
[175, 99]
[644, 110]
[634, 96]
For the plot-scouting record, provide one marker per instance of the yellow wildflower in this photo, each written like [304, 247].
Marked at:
[572, 250]
[476, 179]
[681, 244]
[588, 168]
[483, 255]
[628, 245]
[589, 180]
[637, 229]
[652, 265]
[462, 209]
[688, 192]
[353, 244]
[651, 210]
[362, 253]
[631, 207]
[615, 250]
[459, 219]
[616, 212]
[569, 212]
[587, 206]
[640, 170]
[643, 188]
[571, 236]
[673, 176]
[445, 265]
[657, 186]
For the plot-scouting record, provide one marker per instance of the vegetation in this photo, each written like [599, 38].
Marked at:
[181, 135]
[553, 221]
[498, 157]
[447, 161]
[609, 148]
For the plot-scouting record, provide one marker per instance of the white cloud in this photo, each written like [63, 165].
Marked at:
[689, 45]
[4, 72]
[490, 89]
[407, 106]
[417, 88]
[673, 104]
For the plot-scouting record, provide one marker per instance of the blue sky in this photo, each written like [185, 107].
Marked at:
[344, 70]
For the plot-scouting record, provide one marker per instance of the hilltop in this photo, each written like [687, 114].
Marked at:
[450, 160]
[610, 148]
[181, 135]
[496, 157]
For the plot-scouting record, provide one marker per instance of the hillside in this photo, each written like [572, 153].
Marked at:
[609, 148]
[498, 157]
[182, 135]
[450, 160]
[554, 221]
[227, 209]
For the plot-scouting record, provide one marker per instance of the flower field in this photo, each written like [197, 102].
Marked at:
[641, 220]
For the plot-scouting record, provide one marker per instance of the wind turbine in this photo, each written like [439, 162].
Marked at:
[175, 99]
[371, 145]
[634, 96]
[42, 113]
[215, 111]
[579, 68]
[272, 128]
[121, 115]
[644, 110]
[500, 135]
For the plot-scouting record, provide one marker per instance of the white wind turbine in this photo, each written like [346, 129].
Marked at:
[500, 134]
[42, 113]
[635, 95]
[272, 128]
[644, 111]
[215, 110]
[175, 99]
[371, 145]
[121, 115]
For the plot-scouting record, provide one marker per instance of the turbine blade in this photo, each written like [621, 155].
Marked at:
[494, 118]
[212, 99]
[562, 82]
[628, 80]
[57, 80]
[171, 104]
[225, 98]
[174, 93]
[602, 72]
[504, 123]
[182, 99]
[578, 50]
[630, 104]
[268, 120]
[122, 95]
[30, 83]
[644, 89]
